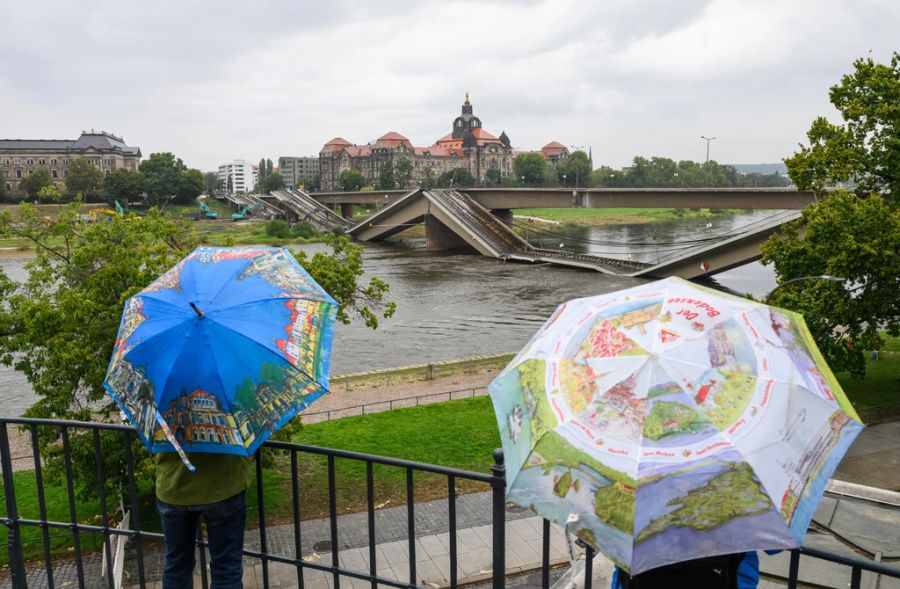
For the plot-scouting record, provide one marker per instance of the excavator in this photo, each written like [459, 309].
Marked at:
[243, 213]
[207, 212]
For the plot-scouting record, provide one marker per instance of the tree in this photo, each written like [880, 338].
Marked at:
[37, 179]
[271, 182]
[83, 177]
[492, 177]
[530, 168]
[455, 178]
[211, 183]
[59, 326]
[49, 193]
[403, 171]
[351, 181]
[261, 170]
[190, 186]
[166, 176]
[386, 176]
[124, 184]
[865, 149]
[269, 167]
[428, 179]
[576, 169]
[854, 238]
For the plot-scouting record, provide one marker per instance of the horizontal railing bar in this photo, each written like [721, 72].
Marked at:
[59, 423]
[851, 561]
[384, 460]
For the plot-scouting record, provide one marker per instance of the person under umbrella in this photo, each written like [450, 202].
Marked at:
[211, 359]
[671, 422]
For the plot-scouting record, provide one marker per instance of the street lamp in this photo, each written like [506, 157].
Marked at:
[798, 279]
[708, 139]
[564, 179]
[523, 180]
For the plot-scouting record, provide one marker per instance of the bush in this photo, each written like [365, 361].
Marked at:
[278, 228]
[304, 229]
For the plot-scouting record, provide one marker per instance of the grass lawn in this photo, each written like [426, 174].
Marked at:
[881, 386]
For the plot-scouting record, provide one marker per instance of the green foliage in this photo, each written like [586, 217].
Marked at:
[455, 178]
[576, 169]
[59, 326]
[403, 171]
[83, 177]
[269, 183]
[386, 177]
[865, 149]
[492, 177]
[340, 274]
[304, 229]
[123, 184]
[166, 177]
[853, 238]
[49, 193]
[530, 168]
[662, 172]
[351, 181]
[211, 183]
[278, 228]
[428, 179]
[35, 181]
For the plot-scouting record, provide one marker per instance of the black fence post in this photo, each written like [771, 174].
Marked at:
[13, 540]
[498, 484]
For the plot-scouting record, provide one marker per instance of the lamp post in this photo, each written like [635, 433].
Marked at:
[523, 180]
[564, 179]
[708, 139]
[800, 278]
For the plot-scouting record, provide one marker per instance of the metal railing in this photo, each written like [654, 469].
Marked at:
[15, 523]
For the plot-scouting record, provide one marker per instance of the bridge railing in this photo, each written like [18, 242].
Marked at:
[16, 520]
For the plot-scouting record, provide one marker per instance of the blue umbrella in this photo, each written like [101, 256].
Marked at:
[222, 350]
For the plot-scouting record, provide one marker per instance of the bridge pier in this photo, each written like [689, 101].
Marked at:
[505, 215]
[440, 237]
[347, 210]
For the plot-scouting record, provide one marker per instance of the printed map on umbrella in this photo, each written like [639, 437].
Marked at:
[676, 421]
[222, 350]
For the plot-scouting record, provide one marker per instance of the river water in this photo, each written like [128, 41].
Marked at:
[455, 305]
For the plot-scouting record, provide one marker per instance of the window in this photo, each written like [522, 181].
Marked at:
[53, 173]
[18, 173]
[30, 162]
[16, 161]
[53, 162]
[42, 161]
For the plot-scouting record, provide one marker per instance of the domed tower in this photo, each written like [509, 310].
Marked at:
[466, 122]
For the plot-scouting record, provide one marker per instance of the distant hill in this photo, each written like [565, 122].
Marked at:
[761, 168]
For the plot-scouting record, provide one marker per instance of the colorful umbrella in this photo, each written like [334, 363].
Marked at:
[222, 350]
[672, 422]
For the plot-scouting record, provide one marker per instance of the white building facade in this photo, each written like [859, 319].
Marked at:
[238, 176]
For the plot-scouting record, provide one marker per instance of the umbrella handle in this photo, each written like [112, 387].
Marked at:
[171, 439]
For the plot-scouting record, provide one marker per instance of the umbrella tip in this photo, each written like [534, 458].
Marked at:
[197, 311]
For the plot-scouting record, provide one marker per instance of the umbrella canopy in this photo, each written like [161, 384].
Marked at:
[674, 421]
[222, 350]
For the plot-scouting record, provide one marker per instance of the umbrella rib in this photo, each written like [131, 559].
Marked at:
[227, 281]
[263, 346]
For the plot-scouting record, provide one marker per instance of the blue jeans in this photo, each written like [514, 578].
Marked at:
[225, 526]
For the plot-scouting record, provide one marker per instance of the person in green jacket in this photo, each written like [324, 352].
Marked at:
[217, 491]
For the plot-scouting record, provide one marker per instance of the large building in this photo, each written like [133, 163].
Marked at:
[20, 157]
[467, 146]
[238, 176]
[299, 170]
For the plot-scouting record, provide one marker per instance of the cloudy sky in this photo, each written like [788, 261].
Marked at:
[217, 80]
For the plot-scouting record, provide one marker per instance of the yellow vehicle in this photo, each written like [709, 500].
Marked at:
[101, 214]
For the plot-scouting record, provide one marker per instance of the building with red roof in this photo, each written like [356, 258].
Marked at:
[468, 146]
